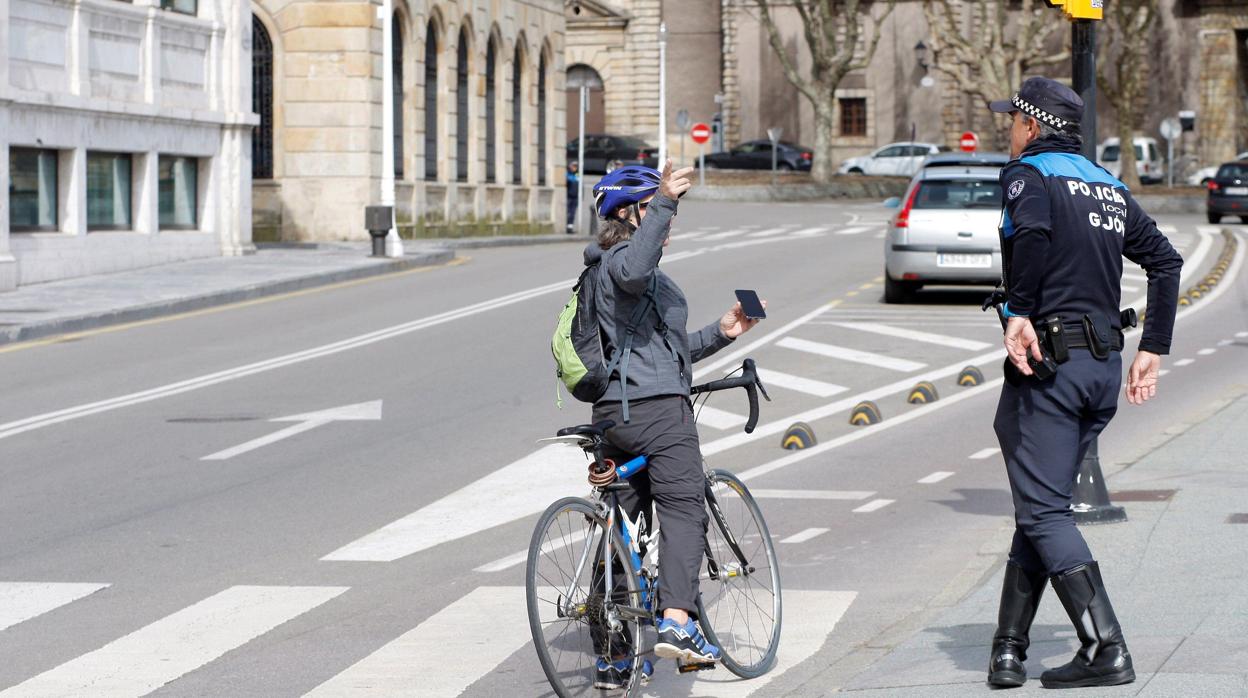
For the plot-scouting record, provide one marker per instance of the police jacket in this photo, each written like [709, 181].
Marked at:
[1066, 225]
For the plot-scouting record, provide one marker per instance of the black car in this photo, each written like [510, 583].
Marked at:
[601, 149]
[756, 155]
[1228, 192]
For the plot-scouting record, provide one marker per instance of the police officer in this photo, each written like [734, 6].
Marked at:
[1066, 225]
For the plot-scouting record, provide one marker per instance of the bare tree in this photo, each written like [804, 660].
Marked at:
[1126, 34]
[988, 50]
[832, 30]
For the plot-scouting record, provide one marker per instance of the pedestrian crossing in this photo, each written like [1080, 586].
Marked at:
[21, 601]
[753, 235]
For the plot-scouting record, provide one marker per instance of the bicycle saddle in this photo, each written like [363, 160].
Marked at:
[597, 430]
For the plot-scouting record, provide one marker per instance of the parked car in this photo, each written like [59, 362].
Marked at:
[601, 149]
[1148, 162]
[944, 232]
[1228, 192]
[1201, 177]
[896, 159]
[756, 155]
[964, 160]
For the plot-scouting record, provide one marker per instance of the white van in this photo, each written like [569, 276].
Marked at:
[1148, 162]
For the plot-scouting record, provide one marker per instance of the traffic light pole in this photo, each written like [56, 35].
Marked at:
[1083, 77]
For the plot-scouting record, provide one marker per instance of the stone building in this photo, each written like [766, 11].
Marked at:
[478, 131]
[124, 131]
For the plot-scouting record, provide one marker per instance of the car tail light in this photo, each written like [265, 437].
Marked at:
[903, 216]
[641, 155]
[1213, 186]
[910, 276]
[807, 156]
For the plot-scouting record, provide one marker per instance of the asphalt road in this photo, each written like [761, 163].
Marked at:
[159, 531]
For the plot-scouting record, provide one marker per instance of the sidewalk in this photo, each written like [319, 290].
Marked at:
[1175, 573]
[74, 305]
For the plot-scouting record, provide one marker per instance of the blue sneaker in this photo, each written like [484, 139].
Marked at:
[684, 643]
[612, 675]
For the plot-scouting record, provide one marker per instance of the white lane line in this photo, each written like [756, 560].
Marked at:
[1129, 289]
[801, 385]
[719, 419]
[873, 505]
[723, 236]
[846, 354]
[363, 411]
[818, 613]
[549, 473]
[154, 655]
[768, 233]
[935, 477]
[986, 453]
[1184, 362]
[1226, 342]
[842, 495]
[443, 655]
[854, 230]
[1206, 351]
[1209, 229]
[1163, 372]
[21, 601]
[803, 536]
[1137, 278]
[1168, 229]
[514, 559]
[691, 235]
[1241, 335]
[735, 356]
[928, 337]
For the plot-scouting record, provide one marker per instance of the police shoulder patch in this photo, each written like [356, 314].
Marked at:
[1016, 188]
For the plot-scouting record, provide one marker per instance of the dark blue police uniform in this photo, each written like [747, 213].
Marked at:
[1066, 225]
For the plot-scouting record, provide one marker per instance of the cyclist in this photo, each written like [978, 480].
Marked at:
[654, 415]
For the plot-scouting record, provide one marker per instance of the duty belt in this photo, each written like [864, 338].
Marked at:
[1058, 336]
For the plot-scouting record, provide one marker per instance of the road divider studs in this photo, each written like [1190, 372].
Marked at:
[865, 414]
[922, 393]
[797, 437]
[1184, 300]
[970, 377]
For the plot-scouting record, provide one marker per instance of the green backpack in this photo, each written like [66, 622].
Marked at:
[580, 353]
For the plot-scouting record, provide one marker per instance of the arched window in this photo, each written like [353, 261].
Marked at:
[396, 58]
[541, 121]
[431, 102]
[491, 174]
[261, 100]
[596, 120]
[517, 77]
[461, 108]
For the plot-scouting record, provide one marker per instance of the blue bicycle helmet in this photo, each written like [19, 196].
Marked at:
[624, 187]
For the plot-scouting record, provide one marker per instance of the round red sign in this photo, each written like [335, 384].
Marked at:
[700, 133]
[969, 141]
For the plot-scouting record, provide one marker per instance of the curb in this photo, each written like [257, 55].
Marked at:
[261, 289]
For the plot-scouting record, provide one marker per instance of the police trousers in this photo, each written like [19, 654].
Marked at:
[1045, 428]
[663, 429]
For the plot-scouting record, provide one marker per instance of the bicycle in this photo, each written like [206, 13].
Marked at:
[592, 576]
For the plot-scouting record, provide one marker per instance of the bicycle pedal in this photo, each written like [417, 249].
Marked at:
[694, 666]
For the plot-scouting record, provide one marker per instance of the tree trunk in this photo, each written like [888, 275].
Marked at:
[1126, 148]
[823, 166]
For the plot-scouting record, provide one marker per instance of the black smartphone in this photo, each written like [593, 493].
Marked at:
[750, 304]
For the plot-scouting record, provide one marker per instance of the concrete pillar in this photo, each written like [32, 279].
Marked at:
[72, 191]
[8, 264]
[146, 214]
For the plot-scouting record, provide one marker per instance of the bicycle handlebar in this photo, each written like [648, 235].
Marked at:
[748, 380]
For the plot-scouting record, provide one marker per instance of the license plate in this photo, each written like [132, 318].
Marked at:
[1237, 191]
[978, 261]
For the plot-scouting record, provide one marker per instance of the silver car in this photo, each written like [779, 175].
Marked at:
[944, 232]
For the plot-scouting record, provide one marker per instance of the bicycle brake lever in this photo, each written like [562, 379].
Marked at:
[758, 382]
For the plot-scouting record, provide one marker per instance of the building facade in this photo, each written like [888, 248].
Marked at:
[478, 135]
[125, 131]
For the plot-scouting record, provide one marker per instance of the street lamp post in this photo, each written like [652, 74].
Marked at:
[394, 246]
[662, 94]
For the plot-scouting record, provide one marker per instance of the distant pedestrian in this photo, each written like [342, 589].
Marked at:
[1066, 226]
[574, 193]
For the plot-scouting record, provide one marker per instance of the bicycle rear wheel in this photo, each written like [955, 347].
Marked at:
[569, 609]
[739, 604]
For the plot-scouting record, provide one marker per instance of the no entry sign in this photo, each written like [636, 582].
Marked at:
[700, 133]
[969, 142]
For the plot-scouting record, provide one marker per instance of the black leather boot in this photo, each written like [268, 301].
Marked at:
[1020, 595]
[1103, 659]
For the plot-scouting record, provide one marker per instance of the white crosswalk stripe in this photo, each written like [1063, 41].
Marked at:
[846, 495]
[935, 477]
[724, 235]
[770, 232]
[443, 655]
[853, 230]
[718, 419]
[846, 354]
[928, 337]
[21, 601]
[154, 655]
[802, 385]
[803, 536]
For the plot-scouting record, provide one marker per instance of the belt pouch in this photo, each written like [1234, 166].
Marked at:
[1097, 334]
[1056, 339]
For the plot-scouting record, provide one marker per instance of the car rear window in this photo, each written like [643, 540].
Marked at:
[1233, 172]
[1110, 154]
[965, 193]
[629, 142]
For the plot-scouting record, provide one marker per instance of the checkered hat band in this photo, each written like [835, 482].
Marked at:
[1040, 114]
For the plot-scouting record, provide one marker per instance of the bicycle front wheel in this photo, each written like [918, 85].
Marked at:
[739, 604]
[574, 619]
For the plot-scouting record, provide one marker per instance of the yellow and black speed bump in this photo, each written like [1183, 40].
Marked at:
[970, 377]
[865, 413]
[922, 393]
[797, 437]
[1205, 286]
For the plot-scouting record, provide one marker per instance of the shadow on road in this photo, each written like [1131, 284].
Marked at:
[981, 502]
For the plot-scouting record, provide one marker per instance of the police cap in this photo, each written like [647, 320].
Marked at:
[1048, 101]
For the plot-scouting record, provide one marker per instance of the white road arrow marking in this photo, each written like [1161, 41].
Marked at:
[360, 412]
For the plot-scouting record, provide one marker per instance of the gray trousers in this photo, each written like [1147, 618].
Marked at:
[1045, 428]
[663, 429]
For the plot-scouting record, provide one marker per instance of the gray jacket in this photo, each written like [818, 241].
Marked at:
[658, 365]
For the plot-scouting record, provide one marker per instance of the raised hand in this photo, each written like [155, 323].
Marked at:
[674, 184]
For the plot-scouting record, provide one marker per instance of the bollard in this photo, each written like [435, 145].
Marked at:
[378, 220]
[1091, 501]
